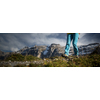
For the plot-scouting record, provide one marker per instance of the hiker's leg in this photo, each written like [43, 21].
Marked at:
[67, 47]
[75, 40]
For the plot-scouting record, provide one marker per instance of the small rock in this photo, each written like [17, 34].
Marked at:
[44, 59]
[27, 64]
[9, 60]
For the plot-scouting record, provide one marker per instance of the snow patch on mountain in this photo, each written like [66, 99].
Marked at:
[46, 51]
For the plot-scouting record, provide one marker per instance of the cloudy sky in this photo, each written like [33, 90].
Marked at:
[16, 41]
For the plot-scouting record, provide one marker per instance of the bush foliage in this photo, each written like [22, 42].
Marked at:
[19, 57]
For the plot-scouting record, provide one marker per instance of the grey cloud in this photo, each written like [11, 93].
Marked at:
[91, 38]
[15, 41]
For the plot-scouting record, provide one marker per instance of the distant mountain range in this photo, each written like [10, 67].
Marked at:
[50, 51]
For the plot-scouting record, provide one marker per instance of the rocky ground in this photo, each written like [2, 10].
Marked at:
[12, 64]
[27, 63]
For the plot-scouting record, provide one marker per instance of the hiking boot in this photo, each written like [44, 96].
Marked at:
[77, 56]
[64, 55]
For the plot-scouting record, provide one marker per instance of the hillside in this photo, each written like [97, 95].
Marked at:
[51, 57]
[92, 60]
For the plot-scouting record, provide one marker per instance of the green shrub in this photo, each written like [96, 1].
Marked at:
[19, 57]
[15, 57]
[30, 58]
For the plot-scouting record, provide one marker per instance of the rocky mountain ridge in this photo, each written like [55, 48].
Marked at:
[43, 51]
[50, 51]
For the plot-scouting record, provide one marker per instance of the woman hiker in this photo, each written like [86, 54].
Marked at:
[70, 37]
